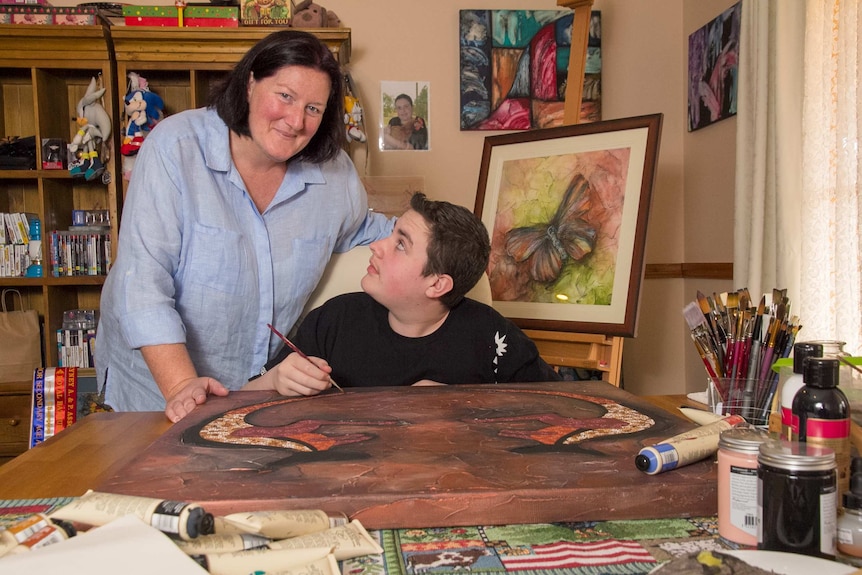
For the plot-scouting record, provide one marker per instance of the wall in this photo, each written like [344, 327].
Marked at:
[644, 53]
[644, 70]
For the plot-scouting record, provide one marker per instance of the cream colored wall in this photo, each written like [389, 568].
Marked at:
[643, 72]
[709, 188]
[644, 67]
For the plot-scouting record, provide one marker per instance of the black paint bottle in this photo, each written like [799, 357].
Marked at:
[796, 496]
[821, 414]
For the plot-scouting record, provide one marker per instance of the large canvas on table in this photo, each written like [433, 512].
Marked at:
[426, 456]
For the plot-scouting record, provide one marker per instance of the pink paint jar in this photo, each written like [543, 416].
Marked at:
[737, 484]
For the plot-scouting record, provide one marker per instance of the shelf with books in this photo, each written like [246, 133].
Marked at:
[44, 72]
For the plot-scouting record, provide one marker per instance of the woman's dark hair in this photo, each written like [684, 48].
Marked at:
[404, 97]
[458, 245]
[265, 59]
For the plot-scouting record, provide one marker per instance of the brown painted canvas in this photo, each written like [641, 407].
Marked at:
[426, 456]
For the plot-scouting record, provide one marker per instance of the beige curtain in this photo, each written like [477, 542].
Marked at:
[797, 182]
[831, 291]
[769, 147]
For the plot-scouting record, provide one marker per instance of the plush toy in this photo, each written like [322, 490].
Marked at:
[308, 14]
[94, 130]
[353, 119]
[144, 109]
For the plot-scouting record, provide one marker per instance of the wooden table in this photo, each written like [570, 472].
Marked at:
[95, 448]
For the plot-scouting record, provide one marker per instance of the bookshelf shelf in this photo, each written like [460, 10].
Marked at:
[44, 71]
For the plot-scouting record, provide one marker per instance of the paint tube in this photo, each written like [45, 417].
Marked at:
[259, 560]
[348, 541]
[184, 520]
[222, 543]
[700, 416]
[282, 524]
[684, 448]
[19, 531]
[53, 532]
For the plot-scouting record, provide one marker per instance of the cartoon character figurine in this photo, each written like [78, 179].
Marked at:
[144, 109]
[94, 129]
[353, 119]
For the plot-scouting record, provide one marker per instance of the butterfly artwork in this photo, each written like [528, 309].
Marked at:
[545, 248]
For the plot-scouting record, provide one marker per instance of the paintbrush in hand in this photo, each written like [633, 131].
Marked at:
[290, 344]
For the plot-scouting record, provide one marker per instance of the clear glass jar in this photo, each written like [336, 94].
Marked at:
[850, 536]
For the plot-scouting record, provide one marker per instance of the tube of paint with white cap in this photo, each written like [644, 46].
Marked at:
[684, 448]
[183, 520]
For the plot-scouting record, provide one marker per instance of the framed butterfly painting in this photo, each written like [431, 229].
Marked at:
[567, 211]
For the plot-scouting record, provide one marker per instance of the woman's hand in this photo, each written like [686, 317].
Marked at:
[189, 394]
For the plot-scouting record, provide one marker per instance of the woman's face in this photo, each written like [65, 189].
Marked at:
[285, 110]
[404, 109]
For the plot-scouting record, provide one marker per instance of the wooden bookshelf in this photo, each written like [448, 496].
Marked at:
[44, 71]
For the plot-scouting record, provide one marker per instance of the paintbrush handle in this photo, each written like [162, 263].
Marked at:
[766, 363]
[754, 360]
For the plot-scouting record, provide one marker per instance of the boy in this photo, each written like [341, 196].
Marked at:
[411, 324]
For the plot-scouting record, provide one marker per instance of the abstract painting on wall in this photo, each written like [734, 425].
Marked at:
[514, 68]
[713, 58]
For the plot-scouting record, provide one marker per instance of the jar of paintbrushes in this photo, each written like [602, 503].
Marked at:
[738, 343]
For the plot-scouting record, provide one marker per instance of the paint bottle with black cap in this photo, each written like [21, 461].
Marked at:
[801, 351]
[821, 414]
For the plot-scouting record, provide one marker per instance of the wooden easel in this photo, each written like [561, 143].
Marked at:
[588, 351]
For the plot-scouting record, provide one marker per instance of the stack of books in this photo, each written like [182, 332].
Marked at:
[76, 340]
[14, 240]
[61, 396]
[55, 402]
[85, 248]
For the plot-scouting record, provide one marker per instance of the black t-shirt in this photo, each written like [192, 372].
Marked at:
[474, 345]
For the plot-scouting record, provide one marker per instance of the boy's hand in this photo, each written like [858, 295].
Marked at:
[294, 376]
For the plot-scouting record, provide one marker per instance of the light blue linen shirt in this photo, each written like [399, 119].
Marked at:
[199, 265]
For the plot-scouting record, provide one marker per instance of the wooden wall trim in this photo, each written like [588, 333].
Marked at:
[709, 270]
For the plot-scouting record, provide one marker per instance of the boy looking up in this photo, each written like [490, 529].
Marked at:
[411, 324]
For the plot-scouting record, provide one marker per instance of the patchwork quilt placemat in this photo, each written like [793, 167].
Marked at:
[584, 548]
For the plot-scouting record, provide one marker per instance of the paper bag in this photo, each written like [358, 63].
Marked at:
[21, 351]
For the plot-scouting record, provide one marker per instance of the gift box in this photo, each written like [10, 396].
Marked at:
[25, 2]
[211, 16]
[76, 16]
[266, 12]
[151, 15]
[27, 14]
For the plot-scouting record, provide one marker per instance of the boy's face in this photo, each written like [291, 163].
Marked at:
[404, 109]
[394, 277]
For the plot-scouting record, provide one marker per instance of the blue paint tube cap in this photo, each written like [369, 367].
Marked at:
[647, 461]
[656, 458]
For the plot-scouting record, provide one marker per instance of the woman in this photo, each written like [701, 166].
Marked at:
[230, 218]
